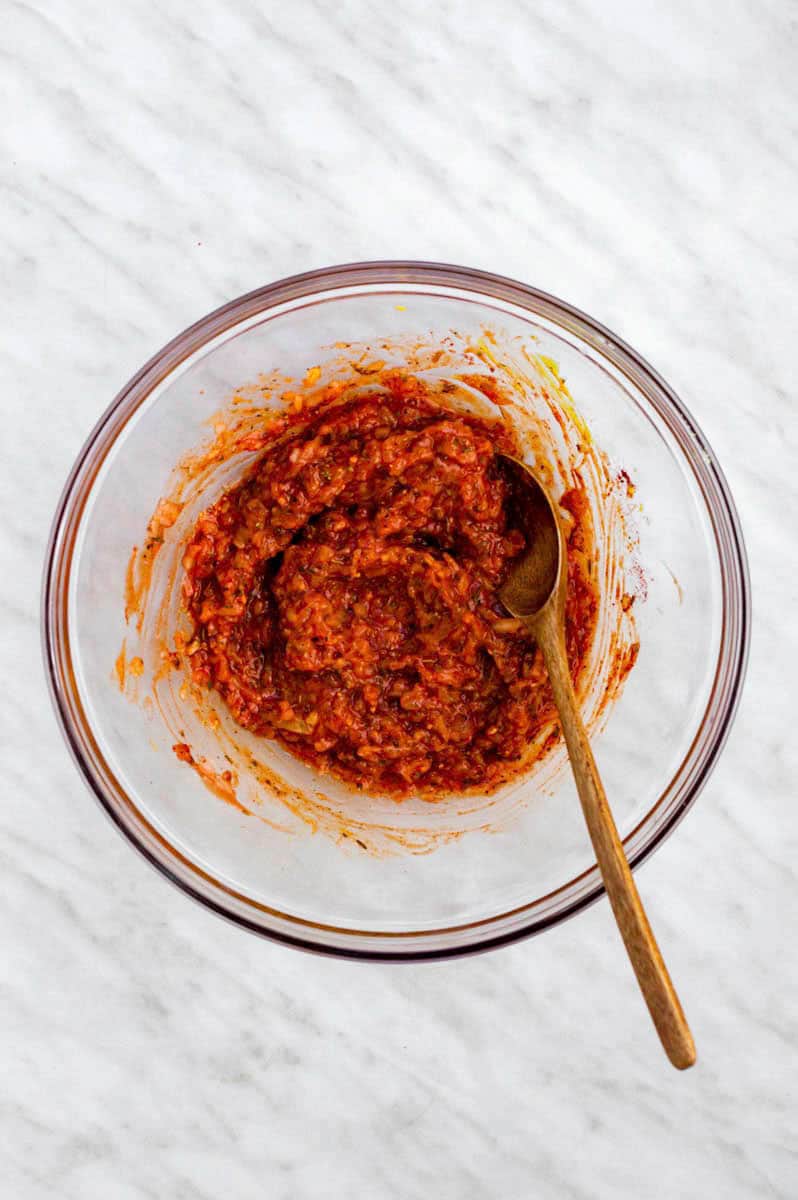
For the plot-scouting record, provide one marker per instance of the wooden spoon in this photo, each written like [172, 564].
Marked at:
[535, 593]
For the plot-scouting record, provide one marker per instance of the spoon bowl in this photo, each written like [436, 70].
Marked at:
[542, 569]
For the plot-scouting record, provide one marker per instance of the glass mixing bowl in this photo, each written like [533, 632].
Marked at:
[492, 885]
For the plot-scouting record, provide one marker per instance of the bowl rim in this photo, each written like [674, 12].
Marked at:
[721, 705]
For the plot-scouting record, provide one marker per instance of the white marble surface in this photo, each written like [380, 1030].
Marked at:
[637, 159]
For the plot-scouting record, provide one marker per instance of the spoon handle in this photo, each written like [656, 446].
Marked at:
[652, 974]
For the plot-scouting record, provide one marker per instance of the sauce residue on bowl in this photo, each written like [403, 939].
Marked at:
[208, 652]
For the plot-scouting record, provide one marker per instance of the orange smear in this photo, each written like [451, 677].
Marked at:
[221, 783]
[119, 666]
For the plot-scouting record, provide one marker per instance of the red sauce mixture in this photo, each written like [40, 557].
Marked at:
[344, 596]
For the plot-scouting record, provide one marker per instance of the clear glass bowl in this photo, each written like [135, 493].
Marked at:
[488, 887]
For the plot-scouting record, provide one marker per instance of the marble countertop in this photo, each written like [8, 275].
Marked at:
[639, 161]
